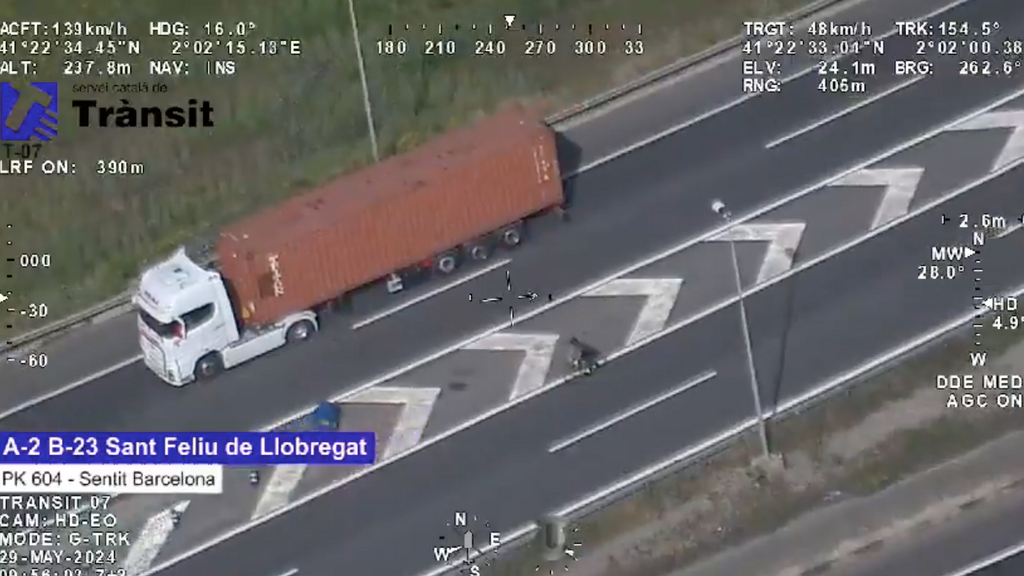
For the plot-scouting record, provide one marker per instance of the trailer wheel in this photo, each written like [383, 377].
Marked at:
[446, 263]
[300, 331]
[512, 237]
[479, 252]
[209, 367]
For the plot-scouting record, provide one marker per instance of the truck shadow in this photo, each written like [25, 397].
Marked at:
[569, 155]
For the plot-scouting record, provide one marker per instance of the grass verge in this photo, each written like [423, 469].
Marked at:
[762, 506]
[284, 123]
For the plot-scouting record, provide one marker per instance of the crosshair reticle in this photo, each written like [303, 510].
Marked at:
[528, 296]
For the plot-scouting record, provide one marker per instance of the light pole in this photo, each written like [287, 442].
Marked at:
[362, 80]
[719, 207]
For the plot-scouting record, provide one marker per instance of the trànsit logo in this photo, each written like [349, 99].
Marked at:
[195, 115]
[28, 113]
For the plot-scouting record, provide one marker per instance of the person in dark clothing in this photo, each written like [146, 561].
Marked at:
[582, 356]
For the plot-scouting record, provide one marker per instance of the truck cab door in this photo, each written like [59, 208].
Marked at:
[204, 333]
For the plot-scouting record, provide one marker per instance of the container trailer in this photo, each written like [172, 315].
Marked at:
[453, 200]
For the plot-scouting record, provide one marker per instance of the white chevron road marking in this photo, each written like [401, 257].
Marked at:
[539, 350]
[661, 294]
[760, 211]
[399, 371]
[151, 539]
[783, 240]
[900, 188]
[416, 407]
[1012, 120]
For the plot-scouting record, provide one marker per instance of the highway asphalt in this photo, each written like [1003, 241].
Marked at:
[667, 193]
[711, 85]
[824, 321]
[1012, 566]
[589, 138]
[804, 329]
[951, 547]
[721, 157]
[678, 174]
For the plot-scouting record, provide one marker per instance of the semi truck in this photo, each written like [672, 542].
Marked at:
[452, 201]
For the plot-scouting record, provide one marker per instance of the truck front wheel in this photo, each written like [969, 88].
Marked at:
[209, 366]
[300, 331]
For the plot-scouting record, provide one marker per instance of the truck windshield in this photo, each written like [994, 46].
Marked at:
[162, 330]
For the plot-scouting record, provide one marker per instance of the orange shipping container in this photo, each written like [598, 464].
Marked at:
[363, 226]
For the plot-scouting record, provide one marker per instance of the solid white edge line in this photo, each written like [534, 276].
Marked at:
[619, 353]
[578, 171]
[891, 32]
[674, 249]
[632, 411]
[613, 156]
[1009, 230]
[658, 136]
[787, 406]
[571, 510]
[69, 387]
[841, 113]
[430, 294]
[990, 560]
[507, 538]
[734, 103]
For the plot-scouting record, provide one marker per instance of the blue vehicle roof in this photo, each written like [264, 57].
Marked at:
[326, 417]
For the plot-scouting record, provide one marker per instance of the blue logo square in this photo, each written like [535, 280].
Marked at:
[29, 114]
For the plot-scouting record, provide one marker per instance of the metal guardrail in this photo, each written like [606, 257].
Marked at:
[669, 70]
[122, 302]
[84, 317]
[115, 306]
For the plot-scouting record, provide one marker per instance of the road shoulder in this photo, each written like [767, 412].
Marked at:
[840, 533]
[856, 469]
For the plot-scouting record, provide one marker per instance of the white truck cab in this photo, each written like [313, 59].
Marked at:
[187, 325]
